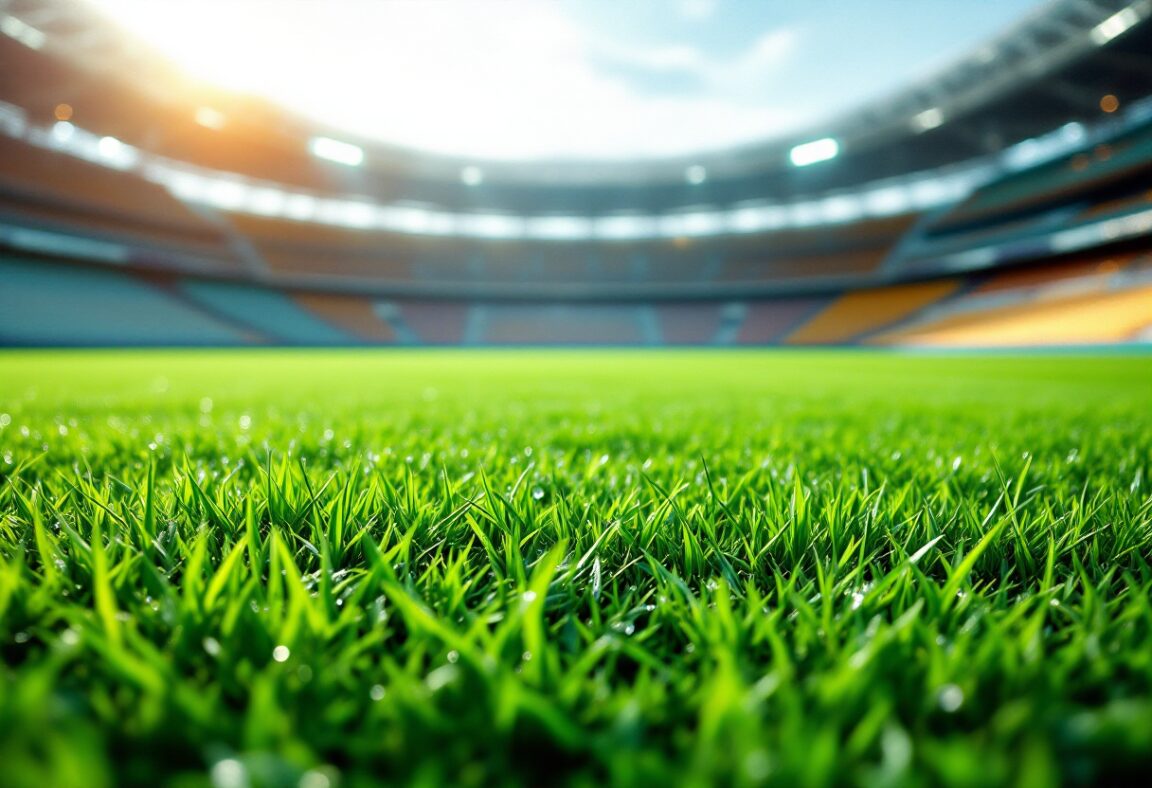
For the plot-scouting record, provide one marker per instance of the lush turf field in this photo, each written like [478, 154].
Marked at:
[326, 569]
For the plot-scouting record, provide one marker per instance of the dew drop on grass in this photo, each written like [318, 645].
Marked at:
[377, 692]
[69, 637]
[453, 656]
[212, 646]
[314, 779]
[21, 637]
[245, 421]
[441, 677]
[537, 493]
[281, 653]
[229, 773]
[950, 698]
[529, 597]
[896, 747]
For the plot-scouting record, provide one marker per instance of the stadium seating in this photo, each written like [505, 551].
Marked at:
[563, 324]
[856, 314]
[1099, 299]
[1091, 318]
[845, 264]
[41, 177]
[264, 310]
[1078, 176]
[354, 315]
[689, 324]
[45, 303]
[767, 322]
[432, 322]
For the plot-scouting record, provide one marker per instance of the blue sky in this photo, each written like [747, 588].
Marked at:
[524, 79]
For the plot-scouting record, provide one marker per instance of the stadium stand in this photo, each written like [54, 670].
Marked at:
[1090, 318]
[430, 322]
[856, 314]
[1017, 217]
[41, 178]
[1102, 299]
[689, 324]
[1031, 278]
[354, 315]
[563, 324]
[767, 322]
[269, 312]
[42, 303]
[1082, 175]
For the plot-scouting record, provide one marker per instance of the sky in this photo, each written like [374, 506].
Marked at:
[569, 79]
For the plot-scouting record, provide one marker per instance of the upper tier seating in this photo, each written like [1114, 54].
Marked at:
[120, 200]
[1127, 159]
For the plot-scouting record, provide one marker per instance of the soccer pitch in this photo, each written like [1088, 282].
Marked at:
[337, 568]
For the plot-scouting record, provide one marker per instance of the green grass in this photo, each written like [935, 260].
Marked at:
[300, 568]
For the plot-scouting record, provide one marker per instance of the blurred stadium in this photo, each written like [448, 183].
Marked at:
[1004, 199]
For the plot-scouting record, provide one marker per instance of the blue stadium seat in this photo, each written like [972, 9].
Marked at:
[46, 303]
[267, 311]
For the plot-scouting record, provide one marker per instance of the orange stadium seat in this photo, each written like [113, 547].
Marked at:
[856, 314]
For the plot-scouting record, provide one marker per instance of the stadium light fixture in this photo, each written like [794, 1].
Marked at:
[334, 150]
[696, 174]
[115, 154]
[813, 152]
[62, 131]
[1114, 25]
[558, 228]
[266, 201]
